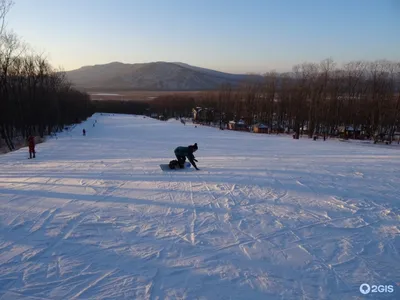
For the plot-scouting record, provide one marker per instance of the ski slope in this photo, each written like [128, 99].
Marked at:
[266, 217]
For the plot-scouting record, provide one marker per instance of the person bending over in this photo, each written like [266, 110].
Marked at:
[182, 152]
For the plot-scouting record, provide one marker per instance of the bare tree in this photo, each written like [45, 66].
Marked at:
[5, 6]
[359, 97]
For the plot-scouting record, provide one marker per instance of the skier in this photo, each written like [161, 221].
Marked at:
[84, 132]
[31, 144]
[182, 152]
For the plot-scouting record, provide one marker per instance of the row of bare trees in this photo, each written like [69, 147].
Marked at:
[172, 105]
[134, 107]
[35, 99]
[363, 96]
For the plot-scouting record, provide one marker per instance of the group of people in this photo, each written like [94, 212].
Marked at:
[84, 130]
[180, 152]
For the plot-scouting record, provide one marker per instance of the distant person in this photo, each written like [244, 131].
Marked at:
[182, 152]
[31, 145]
[84, 132]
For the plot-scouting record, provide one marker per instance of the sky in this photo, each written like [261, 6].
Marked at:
[236, 36]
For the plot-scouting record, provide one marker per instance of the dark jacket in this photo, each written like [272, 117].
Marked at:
[186, 152]
[31, 143]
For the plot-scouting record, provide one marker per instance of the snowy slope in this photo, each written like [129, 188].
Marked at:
[265, 217]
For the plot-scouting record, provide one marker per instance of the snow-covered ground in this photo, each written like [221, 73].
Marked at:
[266, 217]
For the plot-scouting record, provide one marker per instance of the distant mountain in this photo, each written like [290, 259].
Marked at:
[155, 76]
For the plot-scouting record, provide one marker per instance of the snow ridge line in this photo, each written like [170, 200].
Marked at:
[192, 225]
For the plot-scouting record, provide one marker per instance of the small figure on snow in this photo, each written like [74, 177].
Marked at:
[31, 145]
[182, 152]
[84, 132]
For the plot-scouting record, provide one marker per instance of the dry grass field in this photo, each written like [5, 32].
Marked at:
[137, 95]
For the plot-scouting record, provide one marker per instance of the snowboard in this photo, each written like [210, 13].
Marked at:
[165, 167]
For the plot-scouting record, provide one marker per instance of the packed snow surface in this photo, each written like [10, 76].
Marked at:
[266, 217]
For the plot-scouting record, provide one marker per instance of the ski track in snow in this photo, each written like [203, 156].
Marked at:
[266, 217]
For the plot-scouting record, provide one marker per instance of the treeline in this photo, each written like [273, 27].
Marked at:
[166, 106]
[319, 97]
[121, 106]
[35, 99]
[172, 105]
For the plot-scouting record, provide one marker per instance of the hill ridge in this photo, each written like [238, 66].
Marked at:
[159, 75]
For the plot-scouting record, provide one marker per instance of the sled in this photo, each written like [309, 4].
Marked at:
[165, 167]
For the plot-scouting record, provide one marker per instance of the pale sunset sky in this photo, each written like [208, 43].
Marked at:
[236, 36]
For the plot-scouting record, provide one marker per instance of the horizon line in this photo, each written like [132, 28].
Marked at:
[237, 73]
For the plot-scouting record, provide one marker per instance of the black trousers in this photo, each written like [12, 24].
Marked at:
[181, 159]
[32, 151]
